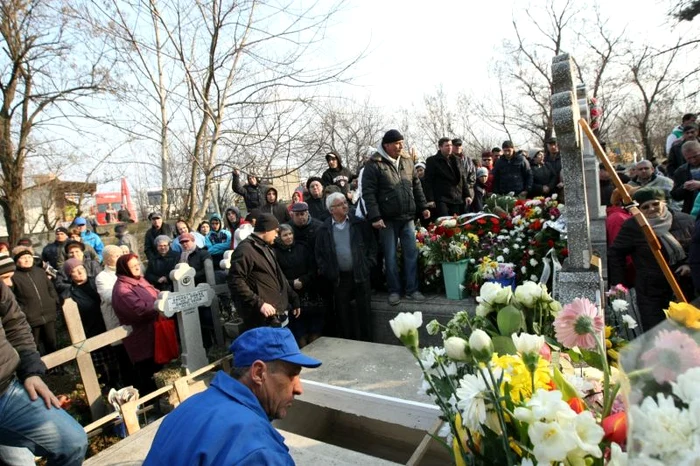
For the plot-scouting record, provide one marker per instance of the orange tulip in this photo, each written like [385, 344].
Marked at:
[615, 427]
[577, 405]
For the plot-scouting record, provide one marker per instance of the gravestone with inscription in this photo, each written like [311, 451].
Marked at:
[184, 302]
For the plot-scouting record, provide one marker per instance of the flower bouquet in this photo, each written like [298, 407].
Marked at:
[489, 270]
[663, 368]
[521, 403]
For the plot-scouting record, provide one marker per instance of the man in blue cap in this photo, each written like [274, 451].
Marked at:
[229, 423]
[89, 237]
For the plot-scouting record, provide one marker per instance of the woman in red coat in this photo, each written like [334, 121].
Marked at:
[133, 299]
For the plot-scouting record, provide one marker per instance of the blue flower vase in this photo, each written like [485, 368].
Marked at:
[504, 282]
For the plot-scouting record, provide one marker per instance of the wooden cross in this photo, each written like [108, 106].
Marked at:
[80, 351]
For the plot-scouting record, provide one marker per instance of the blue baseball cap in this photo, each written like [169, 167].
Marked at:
[269, 344]
[79, 221]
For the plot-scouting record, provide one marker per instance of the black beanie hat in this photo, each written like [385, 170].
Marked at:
[392, 135]
[648, 194]
[265, 223]
[20, 251]
[311, 180]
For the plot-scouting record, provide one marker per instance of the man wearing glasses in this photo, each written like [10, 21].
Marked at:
[345, 252]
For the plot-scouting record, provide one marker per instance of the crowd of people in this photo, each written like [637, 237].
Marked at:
[310, 265]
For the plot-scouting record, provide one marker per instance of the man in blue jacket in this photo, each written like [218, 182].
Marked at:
[229, 423]
[89, 237]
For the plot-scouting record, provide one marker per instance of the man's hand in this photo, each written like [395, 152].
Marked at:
[468, 201]
[163, 280]
[236, 172]
[297, 284]
[683, 270]
[349, 195]
[426, 214]
[379, 224]
[691, 185]
[560, 185]
[296, 312]
[522, 194]
[37, 388]
[545, 189]
[268, 310]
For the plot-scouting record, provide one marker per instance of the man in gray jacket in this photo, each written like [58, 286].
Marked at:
[391, 191]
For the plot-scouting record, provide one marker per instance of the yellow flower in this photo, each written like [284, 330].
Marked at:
[517, 375]
[685, 314]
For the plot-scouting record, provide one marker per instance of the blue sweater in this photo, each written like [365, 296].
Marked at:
[224, 425]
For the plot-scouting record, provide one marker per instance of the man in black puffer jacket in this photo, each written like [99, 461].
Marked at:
[445, 181]
[336, 174]
[38, 425]
[252, 192]
[391, 191]
[511, 173]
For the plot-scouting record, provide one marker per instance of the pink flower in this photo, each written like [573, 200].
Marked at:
[578, 323]
[674, 353]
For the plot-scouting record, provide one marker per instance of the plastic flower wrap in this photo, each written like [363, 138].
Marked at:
[504, 396]
[663, 369]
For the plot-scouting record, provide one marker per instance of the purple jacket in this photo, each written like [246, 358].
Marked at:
[132, 300]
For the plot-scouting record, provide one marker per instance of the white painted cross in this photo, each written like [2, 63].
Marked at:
[184, 302]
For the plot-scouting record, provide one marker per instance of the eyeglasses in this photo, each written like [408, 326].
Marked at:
[344, 204]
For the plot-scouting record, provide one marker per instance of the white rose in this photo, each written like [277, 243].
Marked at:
[523, 269]
[406, 322]
[482, 310]
[456, 348]
[526, 343]
[488, 293]
[533, 278]
[481, 345]
[620, 305]
[528, 293]
[504, 296]
[533, 262]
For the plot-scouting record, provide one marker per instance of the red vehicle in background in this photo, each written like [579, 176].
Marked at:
[108, 205]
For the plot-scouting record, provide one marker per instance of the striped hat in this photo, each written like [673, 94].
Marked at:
[7, 265]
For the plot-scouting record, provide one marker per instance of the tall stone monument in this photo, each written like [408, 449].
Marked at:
[578, 278]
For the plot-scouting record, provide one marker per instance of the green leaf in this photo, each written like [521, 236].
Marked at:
[509, 320]
[567, 390]
[503, 345]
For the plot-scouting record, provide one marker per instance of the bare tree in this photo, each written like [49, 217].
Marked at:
[47, 66]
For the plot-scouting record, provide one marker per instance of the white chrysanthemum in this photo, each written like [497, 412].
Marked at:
[472, 401]
[506, 250]
[686, 386]
[629, 321]
[660, 428]
[620, 305]
[499, 259]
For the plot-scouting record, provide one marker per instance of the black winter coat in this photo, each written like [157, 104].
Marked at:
[196, 261]
[317, 208]
[278, 210]
[390, 193]
[35, 295]
[50, 253]
[253, 196]
[362, 243]
[542, 175]
[307, 234]
[445, 180]
[679, 193]
[88, 301]
[18, 351]
[255, 278]
[148, 243]
[161, 266]
[653, 291]
[339, 177]
[297, 262]
[512, 175]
